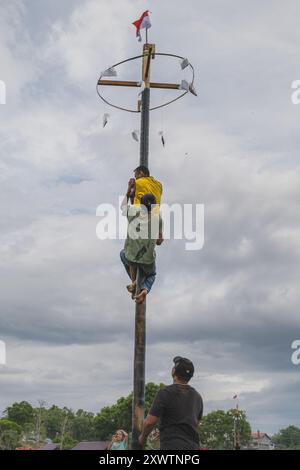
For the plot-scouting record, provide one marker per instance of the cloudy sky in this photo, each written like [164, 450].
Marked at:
[231, 307]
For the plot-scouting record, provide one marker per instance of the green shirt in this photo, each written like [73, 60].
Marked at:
[142, 233]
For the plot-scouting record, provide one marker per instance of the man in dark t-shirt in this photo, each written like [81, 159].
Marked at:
[179, 408]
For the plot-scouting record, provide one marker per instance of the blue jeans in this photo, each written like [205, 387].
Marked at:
[145, 279]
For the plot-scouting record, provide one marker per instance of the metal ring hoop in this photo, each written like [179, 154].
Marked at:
[138, 57]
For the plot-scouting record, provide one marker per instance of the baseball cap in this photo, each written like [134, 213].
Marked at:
[184, 367]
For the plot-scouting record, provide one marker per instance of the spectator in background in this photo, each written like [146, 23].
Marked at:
[119, 441]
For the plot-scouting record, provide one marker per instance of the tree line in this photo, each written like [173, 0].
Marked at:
[24, 425]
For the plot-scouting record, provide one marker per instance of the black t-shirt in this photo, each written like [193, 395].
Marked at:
[179, 407]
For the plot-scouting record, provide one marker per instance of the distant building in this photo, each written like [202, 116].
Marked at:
[51, 446]
[25, 448]
[261, 441]
[99, 445]
[94, 445]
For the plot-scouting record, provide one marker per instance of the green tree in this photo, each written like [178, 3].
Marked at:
[29, 432]
[243, 427]
[83, 428]
[217, 429]
[21, 413]
[54, 420]
[119, 415]
[69, 442]
[10, 434]
[288, 438]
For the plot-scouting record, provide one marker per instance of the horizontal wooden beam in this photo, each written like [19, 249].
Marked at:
[170, 86]
[118, 83]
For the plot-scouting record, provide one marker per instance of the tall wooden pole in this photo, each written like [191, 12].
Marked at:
[144, 144]
[140, 309]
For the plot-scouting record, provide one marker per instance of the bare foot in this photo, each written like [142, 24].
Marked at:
[131, 287]
[141, 296]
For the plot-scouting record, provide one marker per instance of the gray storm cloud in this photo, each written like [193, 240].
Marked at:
[232, 306]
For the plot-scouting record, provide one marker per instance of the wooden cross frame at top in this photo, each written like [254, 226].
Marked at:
[149, 53]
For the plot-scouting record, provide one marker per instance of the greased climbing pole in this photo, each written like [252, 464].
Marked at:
[143, 107]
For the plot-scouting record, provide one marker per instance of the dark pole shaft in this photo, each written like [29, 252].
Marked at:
[140, 309]
[139, 374]
[144, 149]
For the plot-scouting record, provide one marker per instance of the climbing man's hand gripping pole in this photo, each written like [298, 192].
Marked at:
[129, 194]
[131, 189]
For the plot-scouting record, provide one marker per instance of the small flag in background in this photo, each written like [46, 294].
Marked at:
[143, 22]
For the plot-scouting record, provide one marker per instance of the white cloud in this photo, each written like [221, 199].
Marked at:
[87, 39]
[18, 67]
[231, 307]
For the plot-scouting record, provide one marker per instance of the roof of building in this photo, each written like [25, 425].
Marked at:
[25, 448]
[50, 447]
[259, 435]
[98, 445]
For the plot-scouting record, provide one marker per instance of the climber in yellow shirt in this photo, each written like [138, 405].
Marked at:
[143, 184]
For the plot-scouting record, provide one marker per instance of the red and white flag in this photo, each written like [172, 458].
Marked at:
[143, 22]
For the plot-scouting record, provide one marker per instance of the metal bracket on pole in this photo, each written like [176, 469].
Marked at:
[149, 53]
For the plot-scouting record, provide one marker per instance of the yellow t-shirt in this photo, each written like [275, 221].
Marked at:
[147, 185]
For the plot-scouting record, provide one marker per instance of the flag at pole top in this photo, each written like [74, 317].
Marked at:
[141, 23]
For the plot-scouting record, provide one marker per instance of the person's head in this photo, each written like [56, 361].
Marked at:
[148, 201]
[141, 171]
[119, 435]
[183, 369]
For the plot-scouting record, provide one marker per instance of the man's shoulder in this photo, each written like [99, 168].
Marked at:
[191, 390]
[165, 390]
[142, 180]
[197, 395]
[169, 389]
[154, 180]
[158, 183]
[194, 390]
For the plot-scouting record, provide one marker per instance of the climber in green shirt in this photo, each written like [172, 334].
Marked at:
[144, 233]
